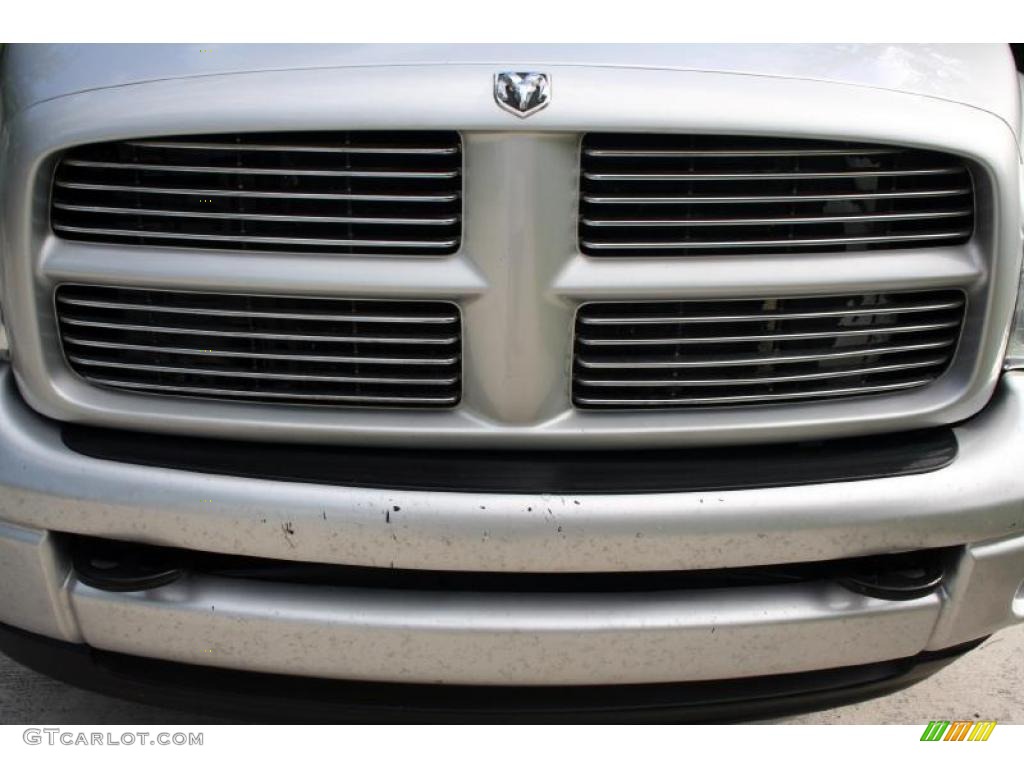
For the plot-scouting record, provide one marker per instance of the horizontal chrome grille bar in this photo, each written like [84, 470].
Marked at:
[411, 198]
[777, 359]
[747, 399]
[762, 379]
[794, 152]
[240, 239]
[777, 220]
[259, 216]
[247, 171]
[732, 244]
[327, 317]
[767, 175]
[263, 374]
[729, 199]
[346, 150]
[220, 392]
[872, 331]
[199, 352]
[184, 331]
[894, 309]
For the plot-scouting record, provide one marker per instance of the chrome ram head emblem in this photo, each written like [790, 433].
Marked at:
[522, 93]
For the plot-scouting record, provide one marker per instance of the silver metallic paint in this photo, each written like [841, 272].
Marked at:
[942, 71]
[981, 583]
[519, 275]
[518, 279]
[977, 498]
[33, 576]
[518, 639]
[505, 639]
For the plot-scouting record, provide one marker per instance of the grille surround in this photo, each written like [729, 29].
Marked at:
[38, 260]
[773, 357]
[683, 195]
[380, 193]
[268, 349]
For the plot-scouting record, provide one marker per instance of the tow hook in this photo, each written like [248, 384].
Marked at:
[897, 584]
[119, 567]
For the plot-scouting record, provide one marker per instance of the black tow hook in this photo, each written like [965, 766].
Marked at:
[897, 584]
[120, 567]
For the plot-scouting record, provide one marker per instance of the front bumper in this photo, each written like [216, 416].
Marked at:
[279, 698]
[976, 504]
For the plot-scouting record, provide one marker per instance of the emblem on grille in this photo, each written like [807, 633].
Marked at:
[522, 93]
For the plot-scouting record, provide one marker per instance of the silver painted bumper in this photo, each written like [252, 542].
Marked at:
[977, 502]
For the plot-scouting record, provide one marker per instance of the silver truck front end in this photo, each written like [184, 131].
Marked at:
[518, 277]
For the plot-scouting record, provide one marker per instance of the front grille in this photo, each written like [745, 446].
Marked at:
[665, 195]
[328, 192]
[314, 351]
[664, 354]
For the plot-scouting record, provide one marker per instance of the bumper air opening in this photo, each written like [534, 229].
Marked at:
[118, 566]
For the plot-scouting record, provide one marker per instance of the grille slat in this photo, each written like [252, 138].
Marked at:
[659, 354]
[760, 379]
[149, 234]
[765, 176]
[257, 216]
[694, 195]
[365, 193]
[892, 309]
[632, 342]
[782, 220]
[241, 393]
[243, 171]
[249, 375]
[703, 245]
[704, 361]
[358, 352]
[737, 152]
[445, 198]
[317, 337]
[78, 302]
[727, 199]
[291, 357]
[341, 150]
[748, 399]
[793, 152]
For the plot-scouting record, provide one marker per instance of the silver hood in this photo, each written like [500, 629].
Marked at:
[980, 76]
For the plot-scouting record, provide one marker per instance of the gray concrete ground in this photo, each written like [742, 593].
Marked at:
[986, 684]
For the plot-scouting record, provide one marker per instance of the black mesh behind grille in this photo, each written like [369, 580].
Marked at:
[669, 354]
[330, 192]
[672, 195]
[310, 351]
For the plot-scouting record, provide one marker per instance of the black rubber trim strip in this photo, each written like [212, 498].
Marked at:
[562, 472]
[265, 698]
